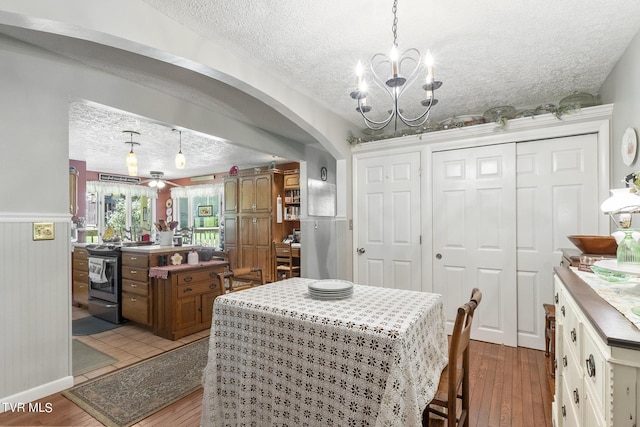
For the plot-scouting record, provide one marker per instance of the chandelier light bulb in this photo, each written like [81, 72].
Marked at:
[393, 56]
[429, 63]
[133, 170]
[153, 183]
[160, 184]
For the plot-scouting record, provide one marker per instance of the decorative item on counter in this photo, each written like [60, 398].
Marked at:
[165, 238]
[192, 258]
[176, 259]
[110, 235]
[233, 170]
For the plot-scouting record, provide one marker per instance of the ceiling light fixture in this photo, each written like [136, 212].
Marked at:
[381, 64]
[132, 160]
[180, 159]
[157, 181]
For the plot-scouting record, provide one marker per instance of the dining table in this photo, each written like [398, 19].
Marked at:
[279, 356]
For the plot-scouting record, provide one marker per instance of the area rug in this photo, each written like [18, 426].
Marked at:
[86, 358]
[91, 325]
[126, 396]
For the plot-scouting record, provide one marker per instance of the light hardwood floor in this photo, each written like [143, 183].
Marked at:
[509, 386]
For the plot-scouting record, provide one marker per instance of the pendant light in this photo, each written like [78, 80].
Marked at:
[180, 159]
[131, 160]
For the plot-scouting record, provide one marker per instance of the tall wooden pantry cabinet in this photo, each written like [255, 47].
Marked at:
[251, 220]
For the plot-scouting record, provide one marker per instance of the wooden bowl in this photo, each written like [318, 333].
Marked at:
[596, 245]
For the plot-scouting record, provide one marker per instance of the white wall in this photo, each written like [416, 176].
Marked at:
[622, 88]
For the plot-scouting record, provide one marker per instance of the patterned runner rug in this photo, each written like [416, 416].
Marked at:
[131, 394]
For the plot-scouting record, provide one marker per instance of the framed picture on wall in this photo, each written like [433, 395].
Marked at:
[205, 210]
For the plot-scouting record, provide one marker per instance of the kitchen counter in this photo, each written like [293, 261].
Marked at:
[611, 325]
[154, 249]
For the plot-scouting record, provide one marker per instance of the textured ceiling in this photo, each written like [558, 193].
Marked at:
[504, 52]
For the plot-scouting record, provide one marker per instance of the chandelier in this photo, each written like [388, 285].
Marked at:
[396, 83]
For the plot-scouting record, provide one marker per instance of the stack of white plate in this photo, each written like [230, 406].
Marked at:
[330, 289]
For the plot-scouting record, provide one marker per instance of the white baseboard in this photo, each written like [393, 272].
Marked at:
[35, 393]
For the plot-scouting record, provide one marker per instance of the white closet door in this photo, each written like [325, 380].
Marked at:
[557, 196]
[388, 221]
[474, 237]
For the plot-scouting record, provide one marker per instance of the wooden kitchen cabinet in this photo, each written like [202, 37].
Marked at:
[136, 289]
[231, 239]
[80, 276]
[231, 194]
[255, 193]
[253, 226]
[183, 302]
[255, 242]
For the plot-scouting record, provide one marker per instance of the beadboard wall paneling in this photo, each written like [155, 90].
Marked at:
[35, 310]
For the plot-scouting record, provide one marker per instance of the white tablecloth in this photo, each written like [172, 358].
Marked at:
[279, 358]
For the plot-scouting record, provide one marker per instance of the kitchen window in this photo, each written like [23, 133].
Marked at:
[128, 209]
[198, 207]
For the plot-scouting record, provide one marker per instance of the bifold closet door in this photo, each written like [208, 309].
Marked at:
[557, 181]
[474, 236]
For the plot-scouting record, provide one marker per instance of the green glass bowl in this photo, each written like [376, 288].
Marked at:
[610, 276]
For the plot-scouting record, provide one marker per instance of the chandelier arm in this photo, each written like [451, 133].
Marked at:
[373, 124]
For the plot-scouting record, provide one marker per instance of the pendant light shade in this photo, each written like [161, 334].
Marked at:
[131, 160]
[181, 161]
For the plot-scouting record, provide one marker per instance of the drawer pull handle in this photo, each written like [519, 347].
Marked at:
[591, 366]
[134, 271]
[564, 411]
[133, 258]
[562, 310]
[134, 299]
[133, 285]
[212, 286]
[556, 298]
[187, 290]
[188, 279]
[574, 335]
[564, 361]
[576, 396]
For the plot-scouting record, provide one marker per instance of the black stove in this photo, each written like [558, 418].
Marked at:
[105, 282]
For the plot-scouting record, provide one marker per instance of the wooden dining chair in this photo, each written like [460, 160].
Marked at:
[285, 267]
[241, 278]
[454, 380]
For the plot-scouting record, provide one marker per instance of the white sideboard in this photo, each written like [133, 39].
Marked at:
[597, 358]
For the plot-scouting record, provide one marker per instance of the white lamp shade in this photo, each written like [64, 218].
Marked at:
[622, 200]
[180, 160]
[133, 171]
[160, 184]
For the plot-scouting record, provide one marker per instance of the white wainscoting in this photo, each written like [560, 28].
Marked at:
[35, 308]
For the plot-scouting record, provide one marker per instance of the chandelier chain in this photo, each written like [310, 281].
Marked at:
[394, 27]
